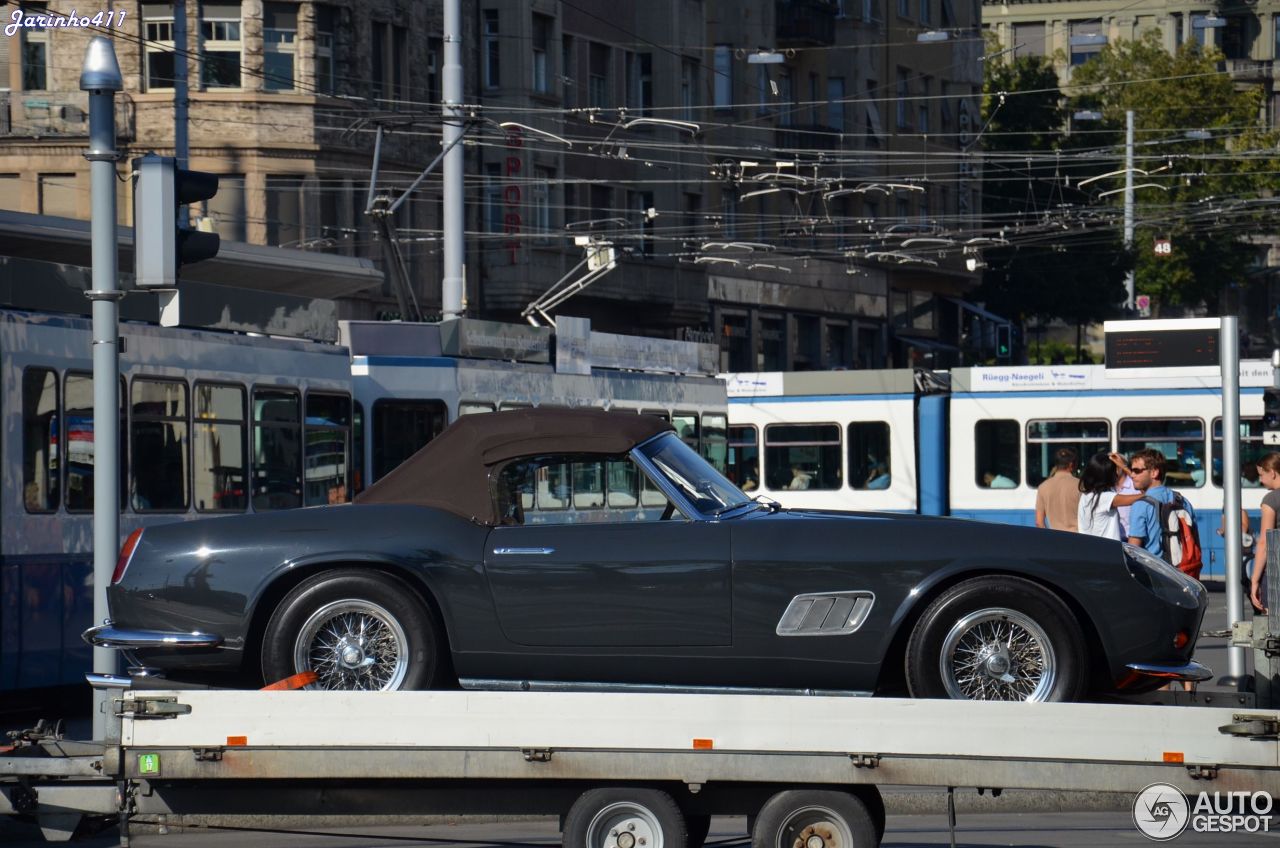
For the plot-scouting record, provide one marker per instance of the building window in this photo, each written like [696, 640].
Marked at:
[724, 77]
[835, 103]
[493, 197]
[926, 12]
[324, 50]
[598, 77]
[689, 88]
[434, 54]
[227, 210]
[813, 99]
[157, 25]
[640, 83]
[58, 195]
[569, 87]
[1029, 39]
[922, 108]
[491, 49]
[35, 52]
[786, 97]
[641, 203]
[390, 60]
[1089, 34]
[544, 178]
[220, 45]
[542, 26]
[904, 97]
[904, 8]
[284, 210]
[279, 39]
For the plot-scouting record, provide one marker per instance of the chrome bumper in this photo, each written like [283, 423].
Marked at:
[1192, 671]
[109, 636]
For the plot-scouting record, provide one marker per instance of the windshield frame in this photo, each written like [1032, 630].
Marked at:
[643, 454]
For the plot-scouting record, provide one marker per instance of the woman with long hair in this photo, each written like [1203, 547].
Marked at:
[1269, 477]
[1097, 515]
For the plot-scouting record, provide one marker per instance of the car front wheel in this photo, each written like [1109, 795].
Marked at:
[996, 639]
[357, 630]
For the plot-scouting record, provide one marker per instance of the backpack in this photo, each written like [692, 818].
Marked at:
[1179, 534]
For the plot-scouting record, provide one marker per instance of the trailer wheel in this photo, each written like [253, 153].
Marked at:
[870, 797]
[996, 639]
[358, 630]
[814, 818]
[624, 818]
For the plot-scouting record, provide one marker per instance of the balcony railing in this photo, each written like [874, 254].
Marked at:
[57, 114]
[1250, 70]
[804, 23]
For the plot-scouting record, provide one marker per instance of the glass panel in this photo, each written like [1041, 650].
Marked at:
[401, 428]
[996, 451]
[218, 444]
[277, 449]
[158, 438]
[869, 455]
[470, 408]
[588, 485]
[705, 488]
[1180, 440]
[743, 466]
[714, 443]
[802, 456]
[622, 481]
[357, 449]
[327, 431]
[1251, 450]
[40, 440]
[1046, 438]
[686, 424]
[78, 446]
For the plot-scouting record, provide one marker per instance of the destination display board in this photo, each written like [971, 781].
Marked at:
[1143, 348]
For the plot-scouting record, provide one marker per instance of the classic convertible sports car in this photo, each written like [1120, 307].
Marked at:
[582, 549]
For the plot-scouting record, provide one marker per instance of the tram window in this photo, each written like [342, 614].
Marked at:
[869, 455]
[328, 435]
[996, 450]
[622, 480]
[401, 427]
[277, 449]
[802, 456]
[686, 424]
[538, 491]
[158, 441]
[357, 448]
[743, 464]
[714, 443]
[588, 485]
[467, 407]
[1251, 450]
[77, 447]
[555, 487]
[1181, 440]
[1046, 438]
[218, 469]
[40, 434]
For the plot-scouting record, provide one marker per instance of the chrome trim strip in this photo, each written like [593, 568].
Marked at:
[108, 681]
[795, 616]
[523, 551]
[498, 685]
[109, 636]
[1192, 670]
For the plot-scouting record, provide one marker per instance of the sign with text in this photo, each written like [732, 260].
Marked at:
[1147, 348]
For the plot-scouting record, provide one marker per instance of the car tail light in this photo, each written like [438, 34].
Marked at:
[126, 554]
[1180, 641]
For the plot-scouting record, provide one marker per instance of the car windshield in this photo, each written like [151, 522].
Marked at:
[707, 489]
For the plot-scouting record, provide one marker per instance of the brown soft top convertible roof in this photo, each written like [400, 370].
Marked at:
[452, 471]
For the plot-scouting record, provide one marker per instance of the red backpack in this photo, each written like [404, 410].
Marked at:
[1179, 534]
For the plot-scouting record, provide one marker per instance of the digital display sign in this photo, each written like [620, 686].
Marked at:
[1134, 348]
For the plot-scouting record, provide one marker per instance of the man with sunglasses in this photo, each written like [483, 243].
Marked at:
[1146, 467]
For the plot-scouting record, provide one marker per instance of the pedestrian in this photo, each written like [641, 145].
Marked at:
[1269, 477]
[1147, 469]
[1058, 497]
[1097, 513]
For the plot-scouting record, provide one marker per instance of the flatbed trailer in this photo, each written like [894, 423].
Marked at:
[634, 770]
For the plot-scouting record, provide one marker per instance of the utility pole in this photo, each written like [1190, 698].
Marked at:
[100, 76]
[181, 142]
[1229, 359]
[1128, 205]
[453, 284]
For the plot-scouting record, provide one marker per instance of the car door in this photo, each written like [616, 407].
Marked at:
[594, 563]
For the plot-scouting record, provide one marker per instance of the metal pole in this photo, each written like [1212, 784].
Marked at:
[1229, 358]
[1128, 204]
[100, 76]
[181, 142]
[453, 287]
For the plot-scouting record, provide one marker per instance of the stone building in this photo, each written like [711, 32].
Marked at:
[653, 129]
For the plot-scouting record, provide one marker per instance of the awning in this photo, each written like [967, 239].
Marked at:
[978, 310]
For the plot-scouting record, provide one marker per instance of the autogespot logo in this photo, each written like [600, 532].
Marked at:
[1161, 812]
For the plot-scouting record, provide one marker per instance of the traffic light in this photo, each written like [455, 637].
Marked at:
[161, 245]
[1271, 416]
[1004, 341]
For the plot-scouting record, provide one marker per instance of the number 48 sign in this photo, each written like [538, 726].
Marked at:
[1163, 247]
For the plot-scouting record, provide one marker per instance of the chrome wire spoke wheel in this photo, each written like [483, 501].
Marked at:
[814, 827]
[625, 824]
[352, 645]
[997, 654]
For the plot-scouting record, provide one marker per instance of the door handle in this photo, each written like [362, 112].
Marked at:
[523, 551]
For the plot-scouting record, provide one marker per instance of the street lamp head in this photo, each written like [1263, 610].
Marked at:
[100, 71]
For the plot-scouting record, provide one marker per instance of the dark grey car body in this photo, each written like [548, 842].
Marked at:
[677, 602]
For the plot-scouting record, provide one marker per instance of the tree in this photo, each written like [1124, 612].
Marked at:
[1206, 202]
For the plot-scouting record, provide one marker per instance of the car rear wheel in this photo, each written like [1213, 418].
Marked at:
[996, 639]
[357, 630]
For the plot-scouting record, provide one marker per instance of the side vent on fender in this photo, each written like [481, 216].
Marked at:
[826, 613]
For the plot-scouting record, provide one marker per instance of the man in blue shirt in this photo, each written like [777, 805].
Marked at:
[1147, 470]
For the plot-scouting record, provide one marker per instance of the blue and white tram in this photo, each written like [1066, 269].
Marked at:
[980, 449]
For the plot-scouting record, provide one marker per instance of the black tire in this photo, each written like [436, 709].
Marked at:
[874, 802]
[697, 827]
[322, 611]
[974, 618]
[648, 813]
[790, 817]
